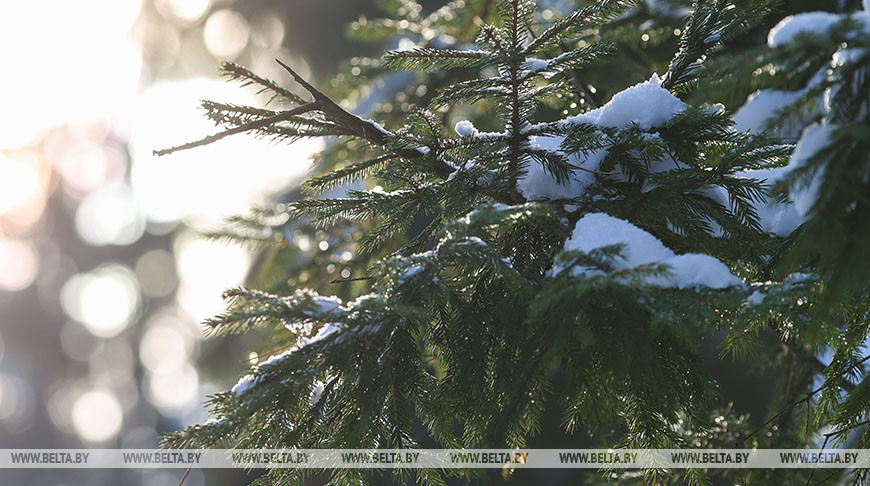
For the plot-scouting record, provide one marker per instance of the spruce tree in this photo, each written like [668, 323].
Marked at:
[535, 259]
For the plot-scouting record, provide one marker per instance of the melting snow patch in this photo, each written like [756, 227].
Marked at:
[804, 194]
[647, 104]
[244, 384]
[465, 129]
[755, 115]
[537, 184]
[323, 305]
[597, 230]
[805, 23]
[775, 217]
[535, 65]
[756, 298]
[410, 272]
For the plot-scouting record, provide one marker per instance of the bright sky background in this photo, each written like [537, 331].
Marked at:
[74, 80]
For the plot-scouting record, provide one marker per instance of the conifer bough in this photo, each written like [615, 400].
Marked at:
[573, 265]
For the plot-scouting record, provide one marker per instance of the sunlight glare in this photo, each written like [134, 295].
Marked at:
[204, 185]
[226, 33]
[74, 67]
[202, 280]
[109, 216]
[104, 300]
[97, 415]
[19, 263]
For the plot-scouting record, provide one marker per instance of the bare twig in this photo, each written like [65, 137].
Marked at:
[828, 477]
[825, 444]
[364, 129]
[180, 483]
[813, 471]
[782, 412]
[845, 429]
[352, 124]
[348, 280]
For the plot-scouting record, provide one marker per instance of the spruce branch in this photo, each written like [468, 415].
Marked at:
[468, 318]
[352, 124]
[234, 71]
[595, 14]
[254, 125]
[430, 59]
[711, 23]
[364, 129]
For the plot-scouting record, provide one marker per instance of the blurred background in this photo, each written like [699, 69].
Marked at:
[103, 278]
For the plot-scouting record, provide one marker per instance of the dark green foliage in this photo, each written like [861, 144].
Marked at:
[711, 22]
[464, 312]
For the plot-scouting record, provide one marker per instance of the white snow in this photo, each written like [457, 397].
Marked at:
[798, 277]
[325, 331]
[805, 193]
[588, 118]
[814, 23]
[535, 65]
[326, 304]
[276, 358]
[538, 184]
[759, 110]
[410, 272]
[762, 107]
[765, 105]
[477, 241]
[247, 381]
[804, 23]
[377, 126]
[779, 218]
[647, 104]
[362, 299]
[697, 270]
[775, 217]
[244, 384]
[597, 230]
[465, 128]
[756, 298]
[847, 56]
[215, 421]
[316, 392]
